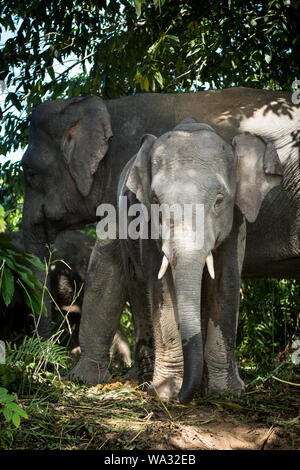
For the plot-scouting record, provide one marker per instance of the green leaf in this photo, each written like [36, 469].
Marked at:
[7, 399]
[158, 77]
[2, 225]
[16, 420]
[145, 84]
[172, 38]
[17, 409]
[8, 414]
[35, 262]
[7, 286]
[138, 6]
[158, 3]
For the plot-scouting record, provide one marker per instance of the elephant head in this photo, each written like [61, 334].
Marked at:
[65, 173]
[193, 165]
[67, 141]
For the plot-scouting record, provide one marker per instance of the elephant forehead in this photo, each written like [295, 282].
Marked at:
[189, 186]
[177, 176]
[48, 126]
[49, 115]
[175, 184]
[46, 114]
[202, 146]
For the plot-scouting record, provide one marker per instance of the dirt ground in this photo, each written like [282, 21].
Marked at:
[204, 425]
[208, 429]
[122, 416]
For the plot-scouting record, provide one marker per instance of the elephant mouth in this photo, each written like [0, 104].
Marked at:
[209, 264]
[66, 222]
[53, 229]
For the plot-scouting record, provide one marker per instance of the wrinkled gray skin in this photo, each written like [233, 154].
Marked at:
[190, 165]
[66, 282]
[72, 165]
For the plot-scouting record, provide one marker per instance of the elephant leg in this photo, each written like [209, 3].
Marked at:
[36, 242]
[168, 367]
[73, 344]
[221, 308]
[104, 299]
[143, 328]
[43, 322]
[120, 348]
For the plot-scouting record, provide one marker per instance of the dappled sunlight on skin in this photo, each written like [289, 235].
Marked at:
[281, 106]
[261, 118]
[277, 108]
[268, 120]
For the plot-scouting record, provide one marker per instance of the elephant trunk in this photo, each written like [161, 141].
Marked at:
[35, 239]
[188, 278]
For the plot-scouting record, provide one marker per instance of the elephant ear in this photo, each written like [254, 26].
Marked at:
[138, 180]
[258, 171]
[86, 138]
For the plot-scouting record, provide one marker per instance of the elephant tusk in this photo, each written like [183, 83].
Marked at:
[210, 265]
[163, 268]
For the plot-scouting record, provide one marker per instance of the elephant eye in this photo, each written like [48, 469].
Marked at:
[218, 201]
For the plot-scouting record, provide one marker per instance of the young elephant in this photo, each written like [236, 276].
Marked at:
[66, 281]
[167, 280]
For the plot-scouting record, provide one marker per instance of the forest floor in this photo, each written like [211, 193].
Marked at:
[122, 416]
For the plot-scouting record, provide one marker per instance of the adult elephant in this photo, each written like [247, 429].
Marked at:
[191, 165]
[77, 148]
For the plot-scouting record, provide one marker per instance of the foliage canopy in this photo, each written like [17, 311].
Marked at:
[124, 46]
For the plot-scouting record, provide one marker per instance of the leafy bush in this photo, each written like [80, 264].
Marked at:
[127, 327]
[269, 319]
[12, 194]
[32, 366]
[11, 411]
[16, 266]
[2, 220]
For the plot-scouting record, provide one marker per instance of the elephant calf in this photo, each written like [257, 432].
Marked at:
[184, 291]
[66, 283]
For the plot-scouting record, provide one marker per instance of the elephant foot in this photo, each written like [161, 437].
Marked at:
[89, 371]
[144, 360]
[136, 374]
[222, 381]
[133, 373]
[142, 369]
[166, 389]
